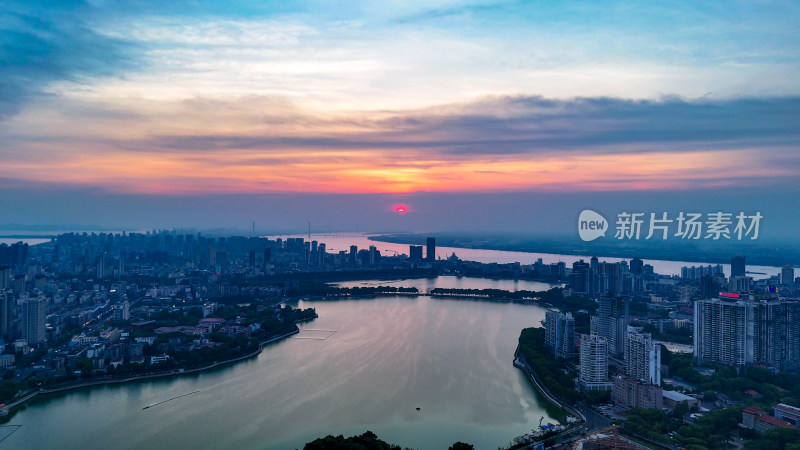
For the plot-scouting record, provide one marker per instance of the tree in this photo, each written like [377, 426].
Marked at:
[367, 441]
[598, 397]
[776, 438]
[680, 409]
[7, 390]
[84, 365]
[461, 446]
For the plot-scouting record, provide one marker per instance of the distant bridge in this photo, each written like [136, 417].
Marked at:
[314, 235]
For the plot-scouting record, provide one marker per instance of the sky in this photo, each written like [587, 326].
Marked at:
[138, 114]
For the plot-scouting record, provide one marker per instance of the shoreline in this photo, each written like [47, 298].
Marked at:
[519, 363]
[478, 298]
[8, 410]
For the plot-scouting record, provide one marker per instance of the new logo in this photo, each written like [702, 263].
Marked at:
[591, 225]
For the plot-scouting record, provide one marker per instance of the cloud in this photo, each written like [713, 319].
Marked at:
[42, 42]
[534, 125]
[143, 97]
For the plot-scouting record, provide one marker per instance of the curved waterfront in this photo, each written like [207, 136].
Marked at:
[389, 355]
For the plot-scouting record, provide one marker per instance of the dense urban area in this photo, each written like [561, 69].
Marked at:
[630, 358]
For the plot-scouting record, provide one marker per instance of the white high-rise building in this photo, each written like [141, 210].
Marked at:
[738, 332]
[724, 332]
[34, 311]
[642, 356]
[594, 363]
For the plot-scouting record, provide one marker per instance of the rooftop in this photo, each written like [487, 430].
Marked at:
[787, 408]
[775, 422]
[677, 396]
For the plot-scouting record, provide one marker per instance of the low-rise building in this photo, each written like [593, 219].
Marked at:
[7, 360]
[757, 419]
[672, 398]
[788, 413]
[146, 340]
[159, 359]
[630, 392]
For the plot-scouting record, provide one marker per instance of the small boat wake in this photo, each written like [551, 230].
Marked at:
[169, 399]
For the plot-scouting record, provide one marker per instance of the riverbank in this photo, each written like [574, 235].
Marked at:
[519, 362]
[475, 298]
[486, 298]
[6, 410]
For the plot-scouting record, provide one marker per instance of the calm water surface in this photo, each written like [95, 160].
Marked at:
[387, 356]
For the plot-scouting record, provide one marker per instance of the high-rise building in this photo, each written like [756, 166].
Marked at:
[100, 267]
[5, 315]
[415, 252]
[14, 254]
[723, 332]
[642, 356]
[606, 278]
[610, 276]
[431, 249]
[560, 333]
[373, 254]
[737, 266]
[5, 277]
[594, 363]
[708, 288]
[252, 258]
[740, 284]
[696, 272]
[739, 332]
[267, 256]
[353, 256]
[787, 275]
[636, 266]
[777, 334]
[34, 311]
[611, 322]
[19, 284]
[122, 264]
[322, 254]
[580, 276]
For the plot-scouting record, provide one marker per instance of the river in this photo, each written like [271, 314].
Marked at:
[364, 364]
[342, 241]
